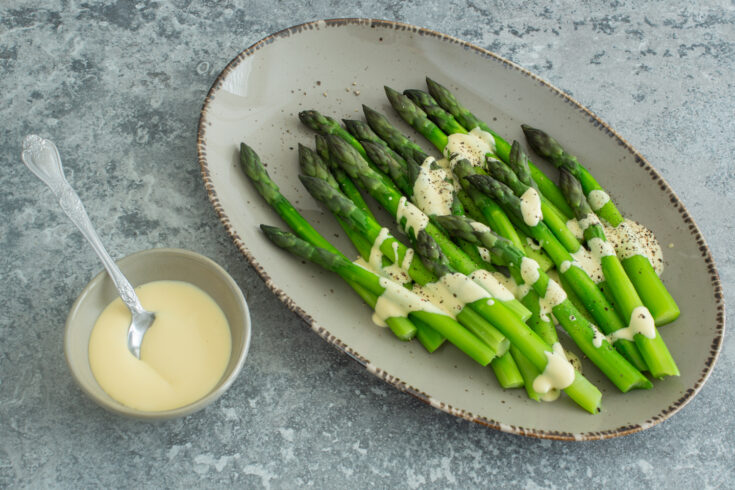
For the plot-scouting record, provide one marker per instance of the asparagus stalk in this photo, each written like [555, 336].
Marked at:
[494, 215]
[362, 132]
[327, 125]
[581, 283]
[446, 122]
[396, 251]
[496, 313]
[528, 372]
[651, 289]
[556, 223]
[355, 218]
[345, 184]
[469, 121]
[442, 323]
[542, 325]
[639, 269]
[573, 297]
[415, 116]
[595, 346]
[256, 172]
[428, 337]
[394, 165]
[394, 202]
[507, 371]
[518, 162]
[312, 165]
[449, 125]
[390, 163]
[650, 344]
[549, 148]
[525, 339]
[395, 139]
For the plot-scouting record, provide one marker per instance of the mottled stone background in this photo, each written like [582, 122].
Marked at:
[119, 87]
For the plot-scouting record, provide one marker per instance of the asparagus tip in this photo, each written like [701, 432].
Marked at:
[269, 230]
[390, 92]
[532, 134]
[316, 186]
[248, 156]
[371, 114]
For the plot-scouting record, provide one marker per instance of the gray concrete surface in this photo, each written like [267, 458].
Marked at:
[119, 86]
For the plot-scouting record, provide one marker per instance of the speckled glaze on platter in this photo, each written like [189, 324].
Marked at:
[337, 65]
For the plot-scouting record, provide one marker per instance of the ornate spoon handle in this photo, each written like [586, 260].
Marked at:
[41, 156]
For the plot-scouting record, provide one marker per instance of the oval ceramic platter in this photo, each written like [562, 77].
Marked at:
[335, 66]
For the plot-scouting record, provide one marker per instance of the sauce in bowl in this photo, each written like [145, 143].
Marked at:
[183, 356]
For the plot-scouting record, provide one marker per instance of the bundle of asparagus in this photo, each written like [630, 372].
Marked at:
[490, 234]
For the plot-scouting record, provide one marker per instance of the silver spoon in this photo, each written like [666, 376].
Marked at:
[41, 156]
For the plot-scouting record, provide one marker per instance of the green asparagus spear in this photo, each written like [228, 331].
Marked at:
[347, 186]
[624, 375]
[254, 169]
[391, 164]
[583, 286]
[370, 229]
[468, 120]
[395, 139]
[446, 122]
[327, 125]
[552, 218]
[506, 371]
[414, 116]
[382, 287]
[549, 148]
[314, 165]
[639, 269]
[362, 132]
[525, 339]
[494, 216]
[519, 163]
[650, 344]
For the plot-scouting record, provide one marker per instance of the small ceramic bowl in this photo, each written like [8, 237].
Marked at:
[140, 268]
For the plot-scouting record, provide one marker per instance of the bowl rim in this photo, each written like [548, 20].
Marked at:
[595, 120]
[243, 348]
